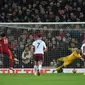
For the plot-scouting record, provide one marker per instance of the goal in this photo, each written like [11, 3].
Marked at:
[59, 37]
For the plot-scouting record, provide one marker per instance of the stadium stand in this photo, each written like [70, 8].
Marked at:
[42, 10]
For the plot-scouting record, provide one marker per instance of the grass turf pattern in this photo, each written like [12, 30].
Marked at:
[44, 79]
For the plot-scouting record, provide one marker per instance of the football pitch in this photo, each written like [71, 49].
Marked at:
[44, 79]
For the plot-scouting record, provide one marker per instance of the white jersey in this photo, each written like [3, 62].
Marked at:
[39, 46]
[83, 49]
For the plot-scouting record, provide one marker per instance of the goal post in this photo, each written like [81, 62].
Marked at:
[59, 37]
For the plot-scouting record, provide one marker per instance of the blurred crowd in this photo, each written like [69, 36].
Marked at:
[58, 41]
[42, 10]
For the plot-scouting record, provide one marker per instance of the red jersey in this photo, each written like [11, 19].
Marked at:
[4, 42]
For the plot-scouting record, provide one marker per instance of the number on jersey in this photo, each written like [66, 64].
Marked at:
[38, 45]
[5, 41]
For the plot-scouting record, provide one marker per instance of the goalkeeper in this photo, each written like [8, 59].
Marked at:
[68, 59]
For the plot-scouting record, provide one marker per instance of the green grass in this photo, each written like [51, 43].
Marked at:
[45, 79]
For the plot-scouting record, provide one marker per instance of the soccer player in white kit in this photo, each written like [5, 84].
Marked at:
[38, 48]
[83, 52]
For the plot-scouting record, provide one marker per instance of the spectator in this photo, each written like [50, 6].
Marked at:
[58, 39]
[45, 11]
[26, 57]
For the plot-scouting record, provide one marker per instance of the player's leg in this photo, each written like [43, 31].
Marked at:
[11, 58]
[8, 52]
[58, 68]
[11, 55]
[65, 64]
[39, 67]
[58, 62]
[84, 59]
[40, 62]
[35, 67]
[84, 63]
[1, 53]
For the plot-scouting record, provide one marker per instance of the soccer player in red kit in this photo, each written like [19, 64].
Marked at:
[4, 49]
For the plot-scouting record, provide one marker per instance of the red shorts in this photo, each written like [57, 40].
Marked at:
[38, 57]
[6, 51]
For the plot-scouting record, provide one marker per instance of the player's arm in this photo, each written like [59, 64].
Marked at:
[45, 49]
[80, 57]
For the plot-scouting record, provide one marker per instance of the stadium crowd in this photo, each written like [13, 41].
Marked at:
[42, 10]
[58, 41]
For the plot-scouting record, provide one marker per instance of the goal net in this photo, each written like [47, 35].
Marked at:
[59, 37]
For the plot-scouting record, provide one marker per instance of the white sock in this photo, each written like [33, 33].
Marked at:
[35, 69]
[40, 67]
